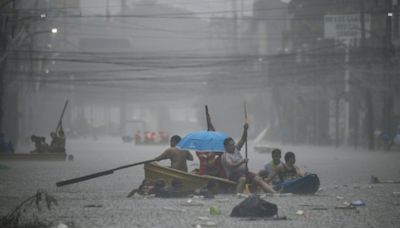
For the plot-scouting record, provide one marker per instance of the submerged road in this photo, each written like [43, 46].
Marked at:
[102, 202]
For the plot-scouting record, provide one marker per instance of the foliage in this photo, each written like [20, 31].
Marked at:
[26, 214]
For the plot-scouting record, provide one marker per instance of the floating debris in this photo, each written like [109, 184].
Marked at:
[346, 207]
[215, 211]
[276, 195]
[276, 218]
[206, 224]
[311, 205]
[173, 209]
[191, 202]
[203, 218]
[197, 197]
[241, 195]
[93, 205]
[61, 225]
[319, 209]
[222, 200]
[339, 197]
[151, 196]
[282, 194]
[375, 180]
[346, 203]
[300, 212]
[358, 203]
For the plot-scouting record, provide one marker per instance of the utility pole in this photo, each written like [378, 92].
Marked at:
[396, 20]
[337, 119]
[235, 25]
[367, 92]
[347, 95]
[388, 93]
[108, 9]
[241, 9]
[3, 60]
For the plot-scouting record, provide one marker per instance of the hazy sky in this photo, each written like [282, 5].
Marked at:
[98, 6]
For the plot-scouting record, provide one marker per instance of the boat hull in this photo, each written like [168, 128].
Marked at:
[35, 157]
[190, 182]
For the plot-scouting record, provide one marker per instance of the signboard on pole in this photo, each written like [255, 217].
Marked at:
[346, 26]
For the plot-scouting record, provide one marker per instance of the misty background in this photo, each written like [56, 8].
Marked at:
[152, 65]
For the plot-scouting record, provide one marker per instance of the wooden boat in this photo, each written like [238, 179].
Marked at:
[261, 147]
[35, 157]
[190, 182]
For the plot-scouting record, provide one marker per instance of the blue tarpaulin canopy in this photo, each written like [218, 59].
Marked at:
[204, 141]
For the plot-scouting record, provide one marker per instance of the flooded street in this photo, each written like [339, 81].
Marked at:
[102, 202]
[90, 77]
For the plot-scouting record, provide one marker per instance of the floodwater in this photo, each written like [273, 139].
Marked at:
[102, 202]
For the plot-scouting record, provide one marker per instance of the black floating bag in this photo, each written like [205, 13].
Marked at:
[254, 206]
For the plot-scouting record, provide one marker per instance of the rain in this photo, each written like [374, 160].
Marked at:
[119, 78]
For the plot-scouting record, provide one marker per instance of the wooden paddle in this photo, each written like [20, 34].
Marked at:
[246, 122]
[210, 126]
[99, 174]
[62, 115]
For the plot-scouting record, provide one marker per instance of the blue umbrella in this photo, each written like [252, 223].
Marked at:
[203, 141]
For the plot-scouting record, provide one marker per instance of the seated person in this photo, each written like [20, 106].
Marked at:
[210, 164]
[44, 146]
[40, 144]
[36, 140]
[287, 170]
[236, 167]
[57, 141]
[271, 167]
[214, 166]
[178, 157]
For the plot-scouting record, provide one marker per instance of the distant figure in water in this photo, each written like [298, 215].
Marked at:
[138, 137]
[178, 157]
[5, 145]
[57, 144]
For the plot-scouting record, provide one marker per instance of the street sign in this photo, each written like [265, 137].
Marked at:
[346, 26]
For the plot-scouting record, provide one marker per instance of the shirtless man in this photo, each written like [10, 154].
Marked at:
[178, 157]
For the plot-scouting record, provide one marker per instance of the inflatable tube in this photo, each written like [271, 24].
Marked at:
[308, 184]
